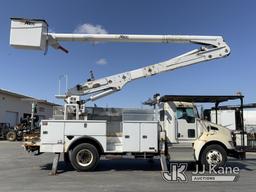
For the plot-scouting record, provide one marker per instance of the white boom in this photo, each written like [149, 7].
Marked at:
[34, 34]
[213, 47]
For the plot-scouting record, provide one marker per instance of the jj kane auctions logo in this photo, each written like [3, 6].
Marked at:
[178, 173]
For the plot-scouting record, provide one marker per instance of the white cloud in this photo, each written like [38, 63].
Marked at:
[90, 29]
[102, 61]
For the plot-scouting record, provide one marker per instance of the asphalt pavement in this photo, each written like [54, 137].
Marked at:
[20, 171]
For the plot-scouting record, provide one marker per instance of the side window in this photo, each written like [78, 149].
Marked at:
[179, 113]
[187, 114]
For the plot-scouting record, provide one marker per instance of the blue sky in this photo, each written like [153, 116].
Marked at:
[32, 73]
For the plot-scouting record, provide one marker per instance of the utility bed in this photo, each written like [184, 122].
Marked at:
[118, 130]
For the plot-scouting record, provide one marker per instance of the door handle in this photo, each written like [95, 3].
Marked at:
[144, 136]
[127, 136]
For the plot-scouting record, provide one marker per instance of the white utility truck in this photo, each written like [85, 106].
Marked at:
[84, 134]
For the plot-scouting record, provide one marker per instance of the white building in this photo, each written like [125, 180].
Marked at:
[14, 106]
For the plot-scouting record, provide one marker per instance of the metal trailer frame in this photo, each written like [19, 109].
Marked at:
[241, 108]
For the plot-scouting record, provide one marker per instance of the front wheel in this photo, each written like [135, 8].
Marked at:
[84, 157]
[213, 155]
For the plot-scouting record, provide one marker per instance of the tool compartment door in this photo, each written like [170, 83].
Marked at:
[52, 132]
[90, 127]
[52, 136]
[148, 137]
[131, 136]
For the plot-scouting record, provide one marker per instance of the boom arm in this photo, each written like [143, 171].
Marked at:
[33, 34]
[213, 47]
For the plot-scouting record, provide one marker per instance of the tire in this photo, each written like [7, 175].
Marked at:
[11, 136]
[213, 155]
[19, 138]
[67, 158]
[84, 157]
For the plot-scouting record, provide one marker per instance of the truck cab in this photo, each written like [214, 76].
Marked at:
[179, 120]
[189, 137]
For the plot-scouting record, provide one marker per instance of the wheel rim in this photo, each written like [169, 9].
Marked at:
[214, 157]
[84, 157]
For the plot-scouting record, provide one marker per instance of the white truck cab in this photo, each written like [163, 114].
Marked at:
[187, 136]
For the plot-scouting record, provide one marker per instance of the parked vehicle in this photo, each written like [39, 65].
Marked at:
[27, 125]
[83, 136]
[20, 130]
[172, 131]
[4, 129]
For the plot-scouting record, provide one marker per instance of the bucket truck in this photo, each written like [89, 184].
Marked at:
[84, 134]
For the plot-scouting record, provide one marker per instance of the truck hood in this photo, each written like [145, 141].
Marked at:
[212, 127]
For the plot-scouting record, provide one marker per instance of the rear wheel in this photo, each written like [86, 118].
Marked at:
[213, 155]
[84, 157]
[11, 136]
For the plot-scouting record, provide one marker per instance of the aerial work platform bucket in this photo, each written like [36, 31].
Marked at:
[28, 34]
